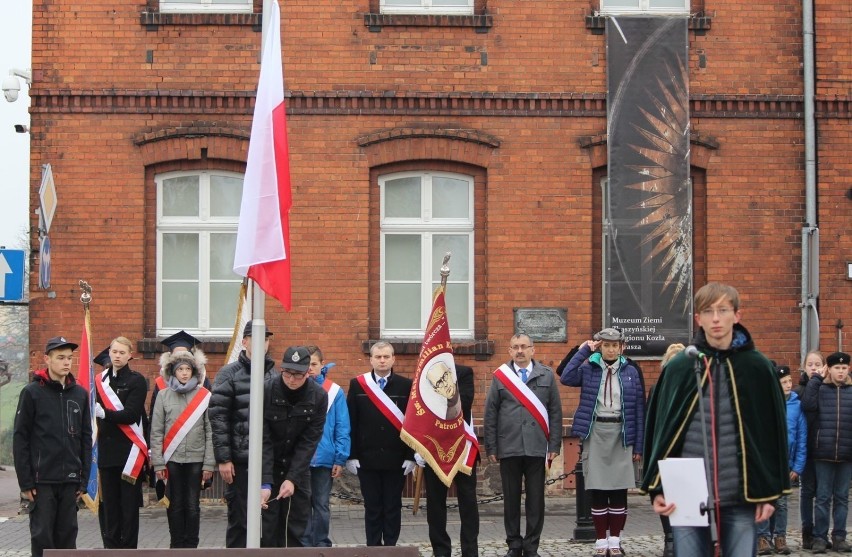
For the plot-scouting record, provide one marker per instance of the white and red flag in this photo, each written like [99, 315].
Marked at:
[263, 233]
[86, 379]
[434, 425]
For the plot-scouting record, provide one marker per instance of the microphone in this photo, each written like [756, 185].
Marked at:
[692, 352]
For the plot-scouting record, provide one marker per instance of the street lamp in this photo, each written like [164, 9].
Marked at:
[11, 84]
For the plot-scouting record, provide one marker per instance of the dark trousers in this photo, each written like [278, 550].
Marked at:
[513, 471]
[121, 501]
[236, 495]
[184, 509]
[283, 523]
[382, 494]
[53, 519]
[436, 513]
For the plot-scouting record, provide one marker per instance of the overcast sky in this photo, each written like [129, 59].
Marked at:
[15, 52]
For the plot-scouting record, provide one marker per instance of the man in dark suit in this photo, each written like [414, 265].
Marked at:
[377, 402]
[436, 491]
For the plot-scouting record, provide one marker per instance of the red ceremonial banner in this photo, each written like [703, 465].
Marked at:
[434, 424]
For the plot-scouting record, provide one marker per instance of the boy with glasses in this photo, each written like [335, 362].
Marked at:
[293, 420]
[744, 417]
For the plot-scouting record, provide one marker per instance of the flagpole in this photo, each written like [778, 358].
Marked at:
[258, 358]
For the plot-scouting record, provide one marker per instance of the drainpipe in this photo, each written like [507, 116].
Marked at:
[810, 231]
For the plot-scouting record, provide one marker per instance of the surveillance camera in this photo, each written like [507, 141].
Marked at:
[21, 128]
[11, 88]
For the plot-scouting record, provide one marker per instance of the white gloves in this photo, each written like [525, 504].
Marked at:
[99, 411]
[408, 467]
[352, 465]
[419, 460]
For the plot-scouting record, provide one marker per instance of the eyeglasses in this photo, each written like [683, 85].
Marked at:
[520, 346]
[444, 380]
[294, 374]
[721, 312]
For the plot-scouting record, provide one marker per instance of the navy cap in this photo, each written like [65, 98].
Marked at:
[180, 339]
[103, 358]
[782, 371]
[247, 330]
[296, 358]
[59, 342]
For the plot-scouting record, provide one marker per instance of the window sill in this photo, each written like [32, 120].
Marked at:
[153, 20]
[699, 24]
[482, 23]
[479, 349]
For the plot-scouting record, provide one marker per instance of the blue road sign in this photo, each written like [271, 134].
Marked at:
[11, 275]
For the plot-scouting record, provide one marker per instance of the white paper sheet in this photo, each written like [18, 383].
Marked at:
[685, 485]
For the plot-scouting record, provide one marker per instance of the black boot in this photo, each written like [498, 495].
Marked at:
[807, 538]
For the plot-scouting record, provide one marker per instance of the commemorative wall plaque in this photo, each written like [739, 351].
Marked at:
[542, 324]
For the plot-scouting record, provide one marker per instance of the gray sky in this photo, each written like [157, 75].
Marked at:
[15, 52]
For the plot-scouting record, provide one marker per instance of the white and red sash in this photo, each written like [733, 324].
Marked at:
[139, 450]
[382, 401]
[472, 443]
[525, 396]
[193, 412]
[332, 389]
[161, 383]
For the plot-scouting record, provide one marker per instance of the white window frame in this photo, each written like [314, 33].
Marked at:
[645, 7]
[204, 225]
[207, 6]
[426, 7]
[426, 226]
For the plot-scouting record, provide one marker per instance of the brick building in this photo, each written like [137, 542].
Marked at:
[491, 114]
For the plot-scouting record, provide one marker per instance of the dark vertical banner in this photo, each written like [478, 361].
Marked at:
[647, 198]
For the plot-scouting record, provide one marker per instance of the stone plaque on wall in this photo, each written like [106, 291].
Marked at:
[542, 324]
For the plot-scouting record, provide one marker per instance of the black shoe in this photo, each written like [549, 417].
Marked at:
[841, 545]
[513, 553]
[819, 546]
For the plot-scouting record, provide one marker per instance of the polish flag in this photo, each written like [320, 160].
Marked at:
[263, 233]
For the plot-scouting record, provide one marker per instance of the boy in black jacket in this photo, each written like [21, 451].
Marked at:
[52, 448]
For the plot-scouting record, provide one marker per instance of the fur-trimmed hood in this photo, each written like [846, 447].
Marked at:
[196, 359]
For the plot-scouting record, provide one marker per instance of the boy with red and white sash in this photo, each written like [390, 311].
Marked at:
[523, 431]
[333, 450]
[122, 448]
[377, 402]
[182, 444]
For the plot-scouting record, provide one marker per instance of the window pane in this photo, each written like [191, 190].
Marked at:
[180, 256]
[458, 300]
[222, 247]
[180, 197]
[450, 198]
[226, 193]
[223, 304]
[450, 3]
[613, 4]
[417, 3]
[457, 244]
[402, 257]
[402, 306]
[680, 4]
[180, 305]
[402, 198]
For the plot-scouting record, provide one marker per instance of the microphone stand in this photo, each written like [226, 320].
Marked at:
[710, 506]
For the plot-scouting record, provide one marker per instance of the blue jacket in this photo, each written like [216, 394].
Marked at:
[336, 439]
[797, 434]
[585, 370]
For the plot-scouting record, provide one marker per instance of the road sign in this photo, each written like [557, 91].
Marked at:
[11, 275]
[44, 264]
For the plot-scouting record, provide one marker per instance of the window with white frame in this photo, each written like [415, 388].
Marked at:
[424, 215]
[426, 6]
[197, 214]
[615, 7]
[206, 6]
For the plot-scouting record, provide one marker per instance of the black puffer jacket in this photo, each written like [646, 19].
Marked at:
[831, 407]
[52, 441]
[229, 410]
[292, 427]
